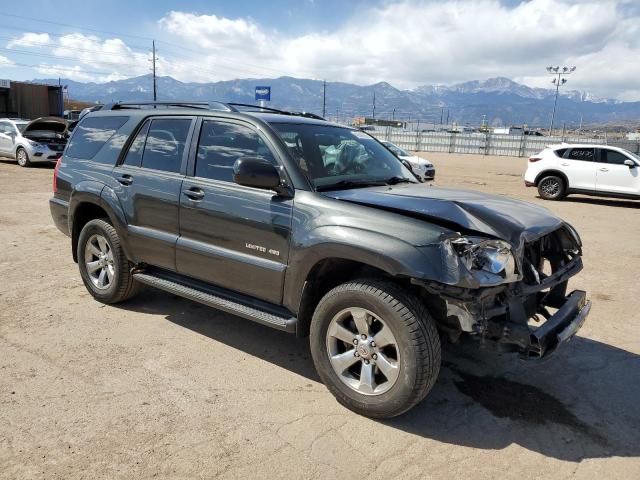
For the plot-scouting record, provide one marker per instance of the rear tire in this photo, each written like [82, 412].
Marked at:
[552, 187]
[23, 157]
[396, 360]
[104, 268]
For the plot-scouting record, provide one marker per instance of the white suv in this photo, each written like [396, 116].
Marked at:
[559, 170]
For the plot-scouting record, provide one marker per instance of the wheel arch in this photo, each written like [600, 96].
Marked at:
[88, 203]
[558, 173]
[327, 273]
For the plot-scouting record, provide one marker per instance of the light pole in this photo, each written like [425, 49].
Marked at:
[558, 79]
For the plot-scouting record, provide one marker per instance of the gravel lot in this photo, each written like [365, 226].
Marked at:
[162, 387]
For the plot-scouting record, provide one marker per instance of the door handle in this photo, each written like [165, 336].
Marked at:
[194, 193]
[604, 169]
[564, 164]
[125, 179]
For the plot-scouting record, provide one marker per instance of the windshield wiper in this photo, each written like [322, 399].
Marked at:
[351, 184]
[396, 180]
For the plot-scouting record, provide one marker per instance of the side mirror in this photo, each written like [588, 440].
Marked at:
[630, 163]
[258, 173]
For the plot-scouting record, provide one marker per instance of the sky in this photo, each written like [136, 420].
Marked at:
[407, 43]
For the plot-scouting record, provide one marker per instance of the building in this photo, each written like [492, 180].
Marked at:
[30, 100]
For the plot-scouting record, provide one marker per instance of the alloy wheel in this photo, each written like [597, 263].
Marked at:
[98, 259]
[550, 187]
[363, 351]
[22, 157]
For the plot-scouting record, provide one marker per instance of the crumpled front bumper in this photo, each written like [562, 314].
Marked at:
[561, 326]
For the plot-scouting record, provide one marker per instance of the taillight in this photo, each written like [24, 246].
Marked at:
[534, 159]
[55, 175]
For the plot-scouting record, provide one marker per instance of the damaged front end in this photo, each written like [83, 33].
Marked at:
[516, 299]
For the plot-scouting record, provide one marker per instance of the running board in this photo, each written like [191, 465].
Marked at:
[219, 299]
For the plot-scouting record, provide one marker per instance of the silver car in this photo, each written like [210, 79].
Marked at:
[41, 140]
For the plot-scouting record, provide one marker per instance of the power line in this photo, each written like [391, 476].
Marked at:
[78, 27]
[181, 47]
[181, 61]
[56, 67]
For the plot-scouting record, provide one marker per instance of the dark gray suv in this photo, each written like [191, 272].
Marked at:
[316, 229]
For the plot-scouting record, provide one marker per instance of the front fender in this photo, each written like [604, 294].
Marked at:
[389, 254]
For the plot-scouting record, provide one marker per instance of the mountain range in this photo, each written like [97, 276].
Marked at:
[500, 101]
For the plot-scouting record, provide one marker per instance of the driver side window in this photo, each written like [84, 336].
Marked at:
[612, 157]
[221, 144]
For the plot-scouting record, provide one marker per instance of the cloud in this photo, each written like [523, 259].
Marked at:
[406, 43]
[6, 62]
[30, 39]
[412, 43]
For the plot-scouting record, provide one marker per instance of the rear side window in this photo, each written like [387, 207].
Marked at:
[560, 152]
[613, 157]
[164, 147]
[134, 155]
[91, 134]
[221, 144]
[584, 154]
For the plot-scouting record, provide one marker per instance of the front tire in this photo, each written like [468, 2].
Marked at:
[375, 347]
[552, 187]
[23, 157]
[104, 268]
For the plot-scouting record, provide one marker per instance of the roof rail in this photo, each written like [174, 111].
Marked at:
[275, 110]
[169, 104]
[220, 106]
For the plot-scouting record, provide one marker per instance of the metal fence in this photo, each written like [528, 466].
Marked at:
[487, 143]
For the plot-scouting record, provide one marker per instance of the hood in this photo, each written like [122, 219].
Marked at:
[46, 124]
[501, 217]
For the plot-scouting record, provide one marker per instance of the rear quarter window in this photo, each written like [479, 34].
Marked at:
[91, 134]
[560, 152]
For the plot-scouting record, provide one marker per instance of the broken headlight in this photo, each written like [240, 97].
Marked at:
[491, 262]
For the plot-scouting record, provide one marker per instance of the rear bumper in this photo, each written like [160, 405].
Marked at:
[60, 214]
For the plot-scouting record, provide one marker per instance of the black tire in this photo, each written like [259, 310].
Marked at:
[122, 286]
[417, 341]
[22, 157]
[552, 187]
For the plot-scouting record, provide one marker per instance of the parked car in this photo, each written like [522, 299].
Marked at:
[560, 170]
[41, 140]
[423, 168]
[316, 229]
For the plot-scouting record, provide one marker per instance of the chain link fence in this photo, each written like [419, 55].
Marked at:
[487, 143]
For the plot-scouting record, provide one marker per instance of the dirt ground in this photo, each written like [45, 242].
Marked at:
[162, 387]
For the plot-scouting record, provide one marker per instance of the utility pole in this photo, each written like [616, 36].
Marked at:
[558, 79]
[373, 112]
[324, 97]
[153, 61]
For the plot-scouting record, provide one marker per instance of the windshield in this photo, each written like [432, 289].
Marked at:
[335, 157]
[396, 150]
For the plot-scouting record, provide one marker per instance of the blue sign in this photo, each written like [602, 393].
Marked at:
[263, 93]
